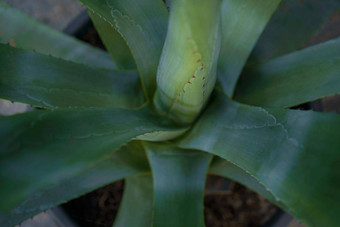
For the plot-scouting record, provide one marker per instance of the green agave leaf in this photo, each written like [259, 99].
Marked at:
[142, 24]
[242, 23]
[179, 179]
[127, 161]
[114, 43]
[187, 69]
[292, 27]
[294, 154]
[162, 135]
[22, 31]
[49, 82]
[40, 148]
[228, 170]
[293, 79]
[137, 202]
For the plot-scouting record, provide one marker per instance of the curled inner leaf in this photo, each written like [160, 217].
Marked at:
[187, 71]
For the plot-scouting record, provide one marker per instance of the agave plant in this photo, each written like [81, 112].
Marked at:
[170, 108]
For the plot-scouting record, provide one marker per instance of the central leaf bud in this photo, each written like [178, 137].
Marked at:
[187, 70]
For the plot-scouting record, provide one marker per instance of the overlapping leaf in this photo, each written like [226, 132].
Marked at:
[283, 149]
[22, 31]
[137, 202]
[242, 23]
[143, 26]
[292, 27]
[129, 160]
[179, 179]
[114, 43]
[228, 170]
[40, 148]
[288, 31]
[293, 79]
[43, 152]
[49, 82]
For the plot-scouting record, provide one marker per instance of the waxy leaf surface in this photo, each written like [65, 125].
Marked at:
[242, 24]
[294, 154]
[137, 203]
[19, 30]
[42, 147]
[187, 70]
[293, 26]
[178, 179]
[142, 24]
[114, 43]
[127, 161]
[50, 82]
[293, 79]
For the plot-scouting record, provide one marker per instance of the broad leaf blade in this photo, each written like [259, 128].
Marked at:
[179, 179]
[49, 82]
[292, 27]
[40, 148]
[294, 154]
[114, 43]
[143, 26]
[128, 161]
[22, 31]
[137, 202]
[293, 79]
[242, 23]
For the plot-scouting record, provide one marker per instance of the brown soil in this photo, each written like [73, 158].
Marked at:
[235, 206]
[92, 37]
[97, 208]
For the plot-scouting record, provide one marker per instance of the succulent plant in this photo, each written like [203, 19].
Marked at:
[198, 87]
